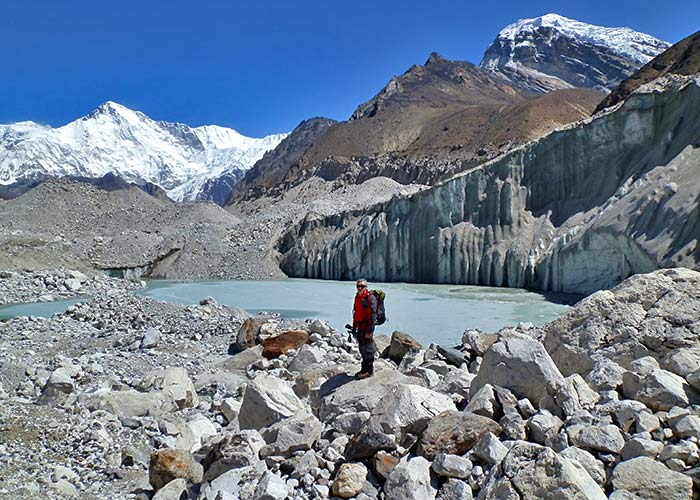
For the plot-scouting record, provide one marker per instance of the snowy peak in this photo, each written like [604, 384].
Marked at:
[552, 51]
[118, 140]
[636, 46]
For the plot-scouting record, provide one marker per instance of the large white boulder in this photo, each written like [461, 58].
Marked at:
[533, 471]
[521, 364]
[410, 480]
[267, 400]
[175, 381]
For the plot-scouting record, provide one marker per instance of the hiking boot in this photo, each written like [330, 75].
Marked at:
[362, 375]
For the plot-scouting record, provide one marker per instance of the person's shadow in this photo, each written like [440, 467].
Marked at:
[333, 383]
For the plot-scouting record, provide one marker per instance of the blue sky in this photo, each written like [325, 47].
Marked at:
[259, 67]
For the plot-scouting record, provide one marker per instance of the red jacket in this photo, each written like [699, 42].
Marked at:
[364, 312]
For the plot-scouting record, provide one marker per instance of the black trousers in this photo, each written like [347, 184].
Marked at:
[366, 351]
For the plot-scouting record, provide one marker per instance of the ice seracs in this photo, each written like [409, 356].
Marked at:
[115, 139]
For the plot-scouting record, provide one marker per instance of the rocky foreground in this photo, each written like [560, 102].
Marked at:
[126, 397]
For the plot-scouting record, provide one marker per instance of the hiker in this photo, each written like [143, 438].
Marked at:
[364, 318]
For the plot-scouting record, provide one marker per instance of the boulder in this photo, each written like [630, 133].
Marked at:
[454, 432]
[410, 480]
[384, 463]
[298, 432]
[247, 335]
[349, 480]
[521, 364]
[484, 403]
[201, 428]
[640, 447]
[448, 465]
[532, 471]
[453, 356]
[267, 400]
[174, 490]
[370, 440]
[174, 381]
[343, 394]
[603, 438]
[454, 489]
[401, 344]
[606, 375]
[687, 426]
[651, 480]
[478, 342]
[646, 315]
[489, 449]
[274, 347]
[167, 465]
[543, 426]
[408, 408]
[661, 390]
[594, 467]
[242, 359]
[307, 356]
[129, 404]
[232, 451]
[72, 284]
[150, 338]
[271, 487]
[241, 482]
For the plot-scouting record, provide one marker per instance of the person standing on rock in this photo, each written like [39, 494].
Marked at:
[364, 318]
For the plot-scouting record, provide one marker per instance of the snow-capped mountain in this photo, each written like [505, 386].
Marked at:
[553, 51]
[116, 139]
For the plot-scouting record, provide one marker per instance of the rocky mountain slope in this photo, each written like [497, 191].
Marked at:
[681, 59]
[187, 162]
[576, 211]
[552, 52]
[600, 403]
[425, 125]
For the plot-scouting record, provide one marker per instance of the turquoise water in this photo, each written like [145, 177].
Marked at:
[40, 309]
[430, 313]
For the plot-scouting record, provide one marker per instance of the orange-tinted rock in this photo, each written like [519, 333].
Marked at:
[167, 465]
[274, 347]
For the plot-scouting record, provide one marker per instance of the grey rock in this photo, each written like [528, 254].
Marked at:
[271, 487]
[174, 381]
[232, 451]
[606, 375]
[651, 480]
[307, 356]
[490, 449]
[477, 341]
[296, 433]
[267, 400]
[638, 447]
[235, 483]
[448, 465]
[604, 438]
[532, 471]
[543, 426]
[594, 467]
[350, 423]
[646, 422]
[129, 404]
[410, 480]
[662, 390]
[484, 403]
[174, 490]
[454, 489]
[369, 441]
[521, 364]
[687, 426]
[682, 361]
[408, 408]
[150, 338]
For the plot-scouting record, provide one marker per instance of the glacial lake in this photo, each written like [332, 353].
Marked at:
[430, 313]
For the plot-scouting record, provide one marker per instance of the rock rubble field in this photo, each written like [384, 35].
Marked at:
[125, 397]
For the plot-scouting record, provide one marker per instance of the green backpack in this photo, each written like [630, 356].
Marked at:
[381, 312]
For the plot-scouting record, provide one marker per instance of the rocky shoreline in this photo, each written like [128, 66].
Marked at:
[125, 397]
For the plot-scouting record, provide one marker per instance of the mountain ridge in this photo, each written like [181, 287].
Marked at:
[115, 139]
